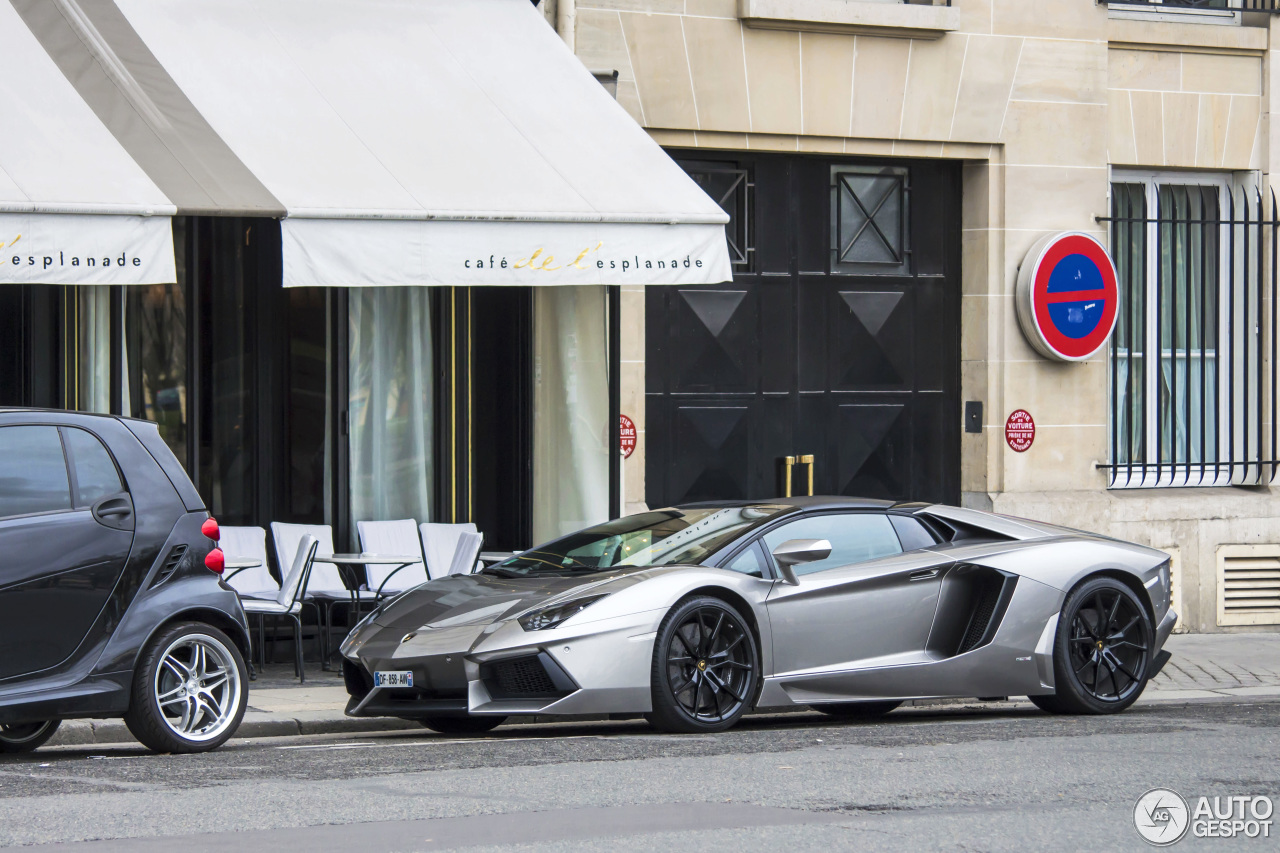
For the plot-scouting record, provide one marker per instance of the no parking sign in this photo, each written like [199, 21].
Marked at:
[1067, 296]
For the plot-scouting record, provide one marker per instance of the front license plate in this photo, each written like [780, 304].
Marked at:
[393, 678]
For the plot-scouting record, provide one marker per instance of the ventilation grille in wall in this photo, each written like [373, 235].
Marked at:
[1249, 585]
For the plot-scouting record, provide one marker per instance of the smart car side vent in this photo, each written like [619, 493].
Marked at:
[531, 677]
[171, 564]
[971, 605]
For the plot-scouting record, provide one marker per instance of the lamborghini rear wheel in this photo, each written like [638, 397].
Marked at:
[1103, 650]
[705, 667]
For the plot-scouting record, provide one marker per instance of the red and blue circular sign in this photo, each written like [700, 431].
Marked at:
[1067, 296]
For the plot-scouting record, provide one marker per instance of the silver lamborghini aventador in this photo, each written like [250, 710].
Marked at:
[696, 615]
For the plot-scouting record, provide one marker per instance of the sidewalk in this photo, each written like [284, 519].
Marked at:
[1204, 666]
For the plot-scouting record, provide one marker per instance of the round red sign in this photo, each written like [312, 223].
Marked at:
[1020, 430]
[1067, 297]
[627, 436]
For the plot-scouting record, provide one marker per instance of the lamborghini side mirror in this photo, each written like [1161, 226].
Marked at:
[793, 552]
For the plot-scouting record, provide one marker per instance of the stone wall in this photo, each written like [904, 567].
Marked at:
[1039, 100]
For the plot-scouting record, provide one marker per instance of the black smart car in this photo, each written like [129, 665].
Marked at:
[111, 603]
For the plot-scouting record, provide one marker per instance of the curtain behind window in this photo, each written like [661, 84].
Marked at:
[390, 403]
[89, 325]
[570, 410]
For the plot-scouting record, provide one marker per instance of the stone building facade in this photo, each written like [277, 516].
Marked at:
[1042, 109]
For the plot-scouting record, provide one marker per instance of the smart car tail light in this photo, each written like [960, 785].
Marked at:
[210, 529]
[215, 561]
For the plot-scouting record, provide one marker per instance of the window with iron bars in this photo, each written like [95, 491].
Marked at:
[1192, 363]
[1272, 6]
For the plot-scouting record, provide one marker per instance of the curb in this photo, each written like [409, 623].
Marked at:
[255, 725]
[259, 724]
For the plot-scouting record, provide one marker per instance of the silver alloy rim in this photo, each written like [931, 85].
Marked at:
[197, 687]
[24, 733]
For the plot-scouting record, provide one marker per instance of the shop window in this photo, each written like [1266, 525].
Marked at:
[571, 424]
[1188, 370]
[391, 403]
[869, 215]
[156, 360]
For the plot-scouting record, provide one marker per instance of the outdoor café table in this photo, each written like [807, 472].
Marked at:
[231, 566]
[348, 563]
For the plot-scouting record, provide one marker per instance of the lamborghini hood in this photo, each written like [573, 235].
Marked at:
[483, 598]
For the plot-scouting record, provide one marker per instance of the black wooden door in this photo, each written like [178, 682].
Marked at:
[838, 339]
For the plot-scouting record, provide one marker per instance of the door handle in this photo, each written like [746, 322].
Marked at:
[807, 459]
[115, 512]
[924, 575]
[787, 463]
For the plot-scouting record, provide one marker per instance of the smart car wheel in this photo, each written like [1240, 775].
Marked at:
[25, 737]
[1102, 653]
[189, 690]
[462, 725]
[705, 668]
[857, 710]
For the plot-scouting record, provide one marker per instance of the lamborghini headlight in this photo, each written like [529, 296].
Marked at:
[550, 617]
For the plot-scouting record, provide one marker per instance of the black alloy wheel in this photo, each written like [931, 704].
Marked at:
[705, 667]
[462, 725]
[1102, 652]
[24, 737]
[856, 710]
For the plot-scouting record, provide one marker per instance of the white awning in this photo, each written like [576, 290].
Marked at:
[404, 141]
[74, 206]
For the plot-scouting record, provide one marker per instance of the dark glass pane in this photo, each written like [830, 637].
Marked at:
[912, 533]
[1187, 321]
[869, 219]
[728, 186]
[33, 473]
[308, 409]
[854, 538]
[156, 332]
[1129, 248]
[226, 435]
[96, 474]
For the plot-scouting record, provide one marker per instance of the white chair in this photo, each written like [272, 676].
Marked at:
[248, 543]
[288, 602]
[392, 538]
[440, 544]
[325, 590]
[325, 579]
[467, 554]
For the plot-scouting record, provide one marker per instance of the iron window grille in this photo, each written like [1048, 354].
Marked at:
[870, 216]
[1272, 6]
[1192, 371]
[729, 186]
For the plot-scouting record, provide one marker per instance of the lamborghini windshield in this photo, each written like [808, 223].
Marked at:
[661, 538]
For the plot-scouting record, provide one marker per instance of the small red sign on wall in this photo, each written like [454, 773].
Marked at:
[1020, 430]
[627, 436]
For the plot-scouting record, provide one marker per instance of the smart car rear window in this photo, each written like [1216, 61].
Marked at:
[96, 474]
[33, 472]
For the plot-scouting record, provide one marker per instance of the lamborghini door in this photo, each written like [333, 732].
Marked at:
[871, 603]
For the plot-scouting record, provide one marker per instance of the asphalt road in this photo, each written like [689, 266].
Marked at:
[921, 779]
